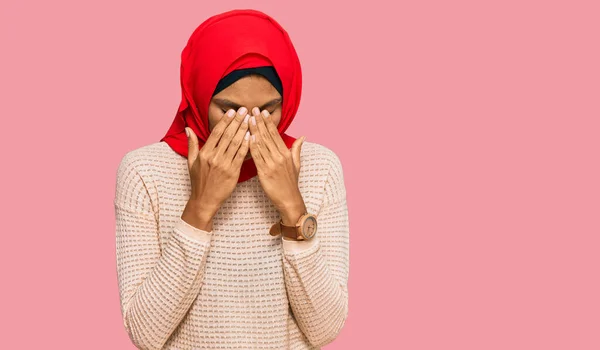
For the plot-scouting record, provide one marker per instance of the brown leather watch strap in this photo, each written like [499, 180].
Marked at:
[279, 228]
[305, 228]
[288, 231]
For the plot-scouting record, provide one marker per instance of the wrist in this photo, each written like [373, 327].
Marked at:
[203, 207]
[198, 215]
[291, 215]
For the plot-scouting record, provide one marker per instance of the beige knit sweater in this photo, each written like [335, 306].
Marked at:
[236, 287]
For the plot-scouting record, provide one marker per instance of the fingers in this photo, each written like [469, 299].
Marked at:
[192, 146]
[230, 131]
[235, 143]
[260, 140]
[219, 129]
[272, 130]
[265, 139]
[255, 149]
[242, 151]
[296, 152]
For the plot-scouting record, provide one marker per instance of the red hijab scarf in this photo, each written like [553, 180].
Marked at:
[223, 43]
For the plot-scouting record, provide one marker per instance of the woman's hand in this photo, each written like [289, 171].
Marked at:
[278, 167]
[215, 169]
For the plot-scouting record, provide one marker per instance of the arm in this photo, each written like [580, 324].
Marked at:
[316, 271]
[156, 288]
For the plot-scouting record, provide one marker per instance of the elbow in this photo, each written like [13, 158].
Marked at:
[331, 328]
[142, 340]
[137, 338]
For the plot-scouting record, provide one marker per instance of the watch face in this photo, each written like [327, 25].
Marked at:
[309, 227]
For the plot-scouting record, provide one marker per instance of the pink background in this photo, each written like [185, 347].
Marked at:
[468, 133]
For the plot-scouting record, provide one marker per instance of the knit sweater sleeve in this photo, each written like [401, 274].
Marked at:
[156, 288]
[316, 271]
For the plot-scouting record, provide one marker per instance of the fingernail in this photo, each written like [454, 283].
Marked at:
[243, 111]
[265, 114]
[253, 138]
[246, 118]
[247, 135]
[253, 120]
[255, 111]
[187, 132]
[230, 113]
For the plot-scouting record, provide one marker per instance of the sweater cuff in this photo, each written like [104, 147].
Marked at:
[298, 246]
[192, 231]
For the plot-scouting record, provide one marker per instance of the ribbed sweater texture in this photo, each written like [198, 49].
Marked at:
[235, 287]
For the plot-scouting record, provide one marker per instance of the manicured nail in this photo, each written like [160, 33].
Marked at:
[265, 114]
[230, 113]
[187, 132]
[253, 120]
[242, 111]
[247, 135]
[246, 118]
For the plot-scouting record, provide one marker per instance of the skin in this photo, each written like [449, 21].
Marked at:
[250, 91]
[251, 131]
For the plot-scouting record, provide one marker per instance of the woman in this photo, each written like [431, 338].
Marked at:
[208, 255]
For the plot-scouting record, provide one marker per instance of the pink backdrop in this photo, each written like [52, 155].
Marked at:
[468, 132]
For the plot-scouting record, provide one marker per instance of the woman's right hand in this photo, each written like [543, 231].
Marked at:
[215, 169]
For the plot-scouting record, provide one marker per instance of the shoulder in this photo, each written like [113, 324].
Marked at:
[151, 161]
[138, 168]
[148, 156]
[321, 157]
[321, 162]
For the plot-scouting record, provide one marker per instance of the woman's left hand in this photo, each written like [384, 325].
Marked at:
[278, 167]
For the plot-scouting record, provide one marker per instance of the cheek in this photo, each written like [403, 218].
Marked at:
[214, 116]
[276, 119]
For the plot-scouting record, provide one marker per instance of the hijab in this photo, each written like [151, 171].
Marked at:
[268, 72]
[233, 41]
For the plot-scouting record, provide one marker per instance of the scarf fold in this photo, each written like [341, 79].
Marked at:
[226, 42]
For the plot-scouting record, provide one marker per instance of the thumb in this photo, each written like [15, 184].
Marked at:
[192, 145]
[296, 149]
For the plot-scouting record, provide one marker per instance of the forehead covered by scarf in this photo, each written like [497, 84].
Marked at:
[231, 41]
[268, 73]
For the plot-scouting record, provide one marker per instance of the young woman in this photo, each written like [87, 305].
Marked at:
[229, 232]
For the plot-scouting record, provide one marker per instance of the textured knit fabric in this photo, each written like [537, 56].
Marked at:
[235, 287]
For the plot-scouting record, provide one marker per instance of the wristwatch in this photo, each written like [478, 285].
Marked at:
[305, 228]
